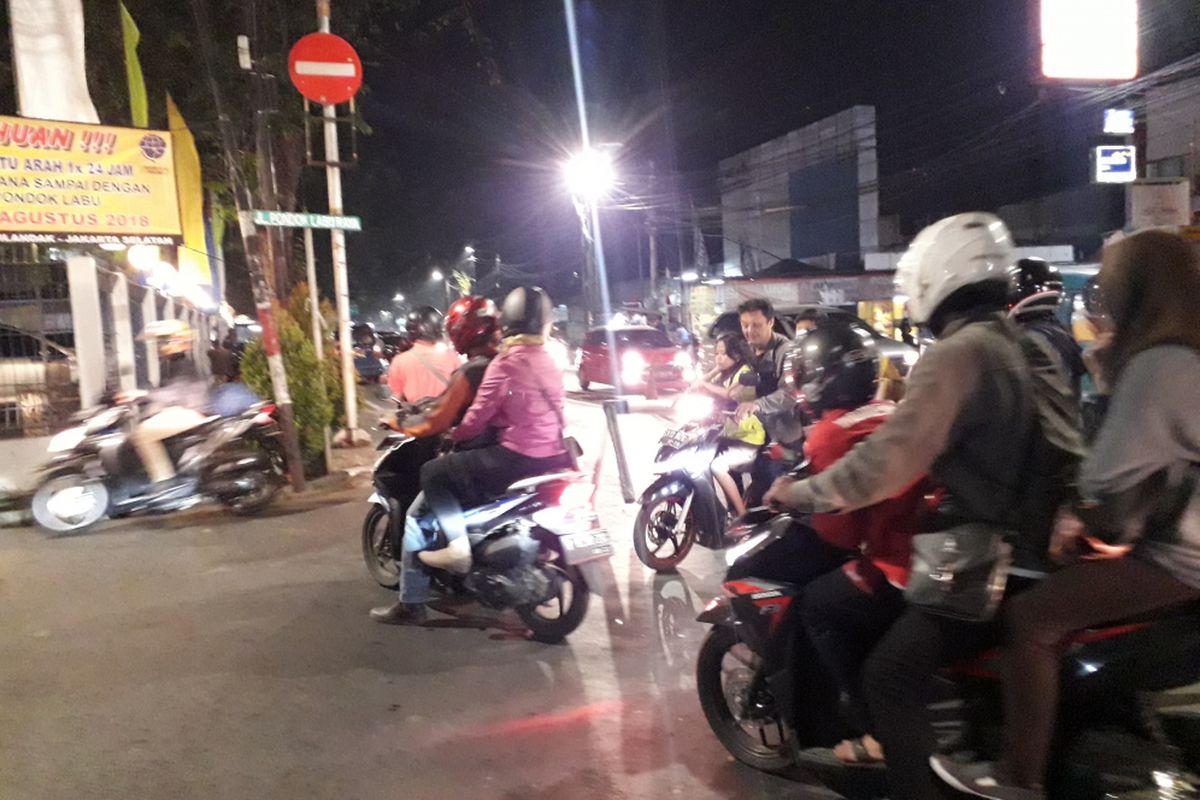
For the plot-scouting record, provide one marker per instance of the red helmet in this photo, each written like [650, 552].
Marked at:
[471, 321]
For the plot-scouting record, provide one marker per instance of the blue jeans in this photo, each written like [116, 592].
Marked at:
[414, 579]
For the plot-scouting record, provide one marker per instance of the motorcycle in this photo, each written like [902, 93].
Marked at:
[685, 506]
[534, 549]
[94, 472]
[767, 701]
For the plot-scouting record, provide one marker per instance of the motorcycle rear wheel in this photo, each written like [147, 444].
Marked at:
[254, 502]
[766, 749]
[570, 603]
[376, 547]
[652, 531]
[70, 502]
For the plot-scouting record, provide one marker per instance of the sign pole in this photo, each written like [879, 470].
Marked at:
[351, 436]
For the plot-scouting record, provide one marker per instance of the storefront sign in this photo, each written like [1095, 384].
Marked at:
[1166, 201]
[836, 290]
[1116, 164]
[70, 183]
[1119, 121]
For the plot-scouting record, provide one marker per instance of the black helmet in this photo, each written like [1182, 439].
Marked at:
[1035, 276]
[527, 310]
[832, 366]
[424, 322]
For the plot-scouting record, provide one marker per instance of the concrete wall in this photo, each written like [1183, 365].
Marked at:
[783, 199]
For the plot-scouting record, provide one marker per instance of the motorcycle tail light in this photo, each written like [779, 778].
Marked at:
[269, 408]
[576, 495]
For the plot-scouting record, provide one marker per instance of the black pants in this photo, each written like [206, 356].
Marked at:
[1039, 620]
[473, 477]
[845, 621]
[897, 683]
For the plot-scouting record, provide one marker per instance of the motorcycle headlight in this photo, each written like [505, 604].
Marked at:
[693, 407]
[67, 440]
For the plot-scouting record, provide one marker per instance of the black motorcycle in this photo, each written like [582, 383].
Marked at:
[94, 472]
[534, 549]
[766, 700]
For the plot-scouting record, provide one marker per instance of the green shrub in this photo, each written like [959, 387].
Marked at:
[310, 403]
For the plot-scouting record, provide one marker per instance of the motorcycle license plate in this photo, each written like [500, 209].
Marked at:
[587, 546]
[676, 439]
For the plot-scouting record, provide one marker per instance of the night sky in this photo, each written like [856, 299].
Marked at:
[464, 153]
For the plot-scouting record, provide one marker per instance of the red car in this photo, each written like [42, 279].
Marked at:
[643, 357]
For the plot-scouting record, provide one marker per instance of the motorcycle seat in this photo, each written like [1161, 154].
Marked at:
[526, 484]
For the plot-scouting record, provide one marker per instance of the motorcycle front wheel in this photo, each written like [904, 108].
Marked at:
[377, 548]
[70, 503]
[741, 720]
[553, 620]
[656, 537]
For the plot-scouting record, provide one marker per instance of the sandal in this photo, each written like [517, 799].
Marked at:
[862, 756]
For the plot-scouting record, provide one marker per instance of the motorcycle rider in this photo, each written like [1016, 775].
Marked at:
[835, 373]
[740, 441]
[173, 408]
[966, 421]
[473, 324]
[1036, 294]
[521, 397]
[775, 406]
[422, 371]
[1139, 519]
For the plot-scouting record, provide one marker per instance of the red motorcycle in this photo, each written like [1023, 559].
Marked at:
[767, 697]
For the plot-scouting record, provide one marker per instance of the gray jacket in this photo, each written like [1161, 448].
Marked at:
[1151, 435]
[776, 406]
[965, 420]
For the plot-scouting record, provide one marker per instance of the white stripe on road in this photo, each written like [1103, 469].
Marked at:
[328, 68]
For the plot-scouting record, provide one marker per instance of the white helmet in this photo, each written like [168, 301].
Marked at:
[948, 255]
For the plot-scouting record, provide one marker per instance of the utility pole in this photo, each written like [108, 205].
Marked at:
[264, 158]
[252, 243]
[653, 240]
[351, 436]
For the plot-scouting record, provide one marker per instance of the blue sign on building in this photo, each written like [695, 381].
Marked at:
[1116, 163]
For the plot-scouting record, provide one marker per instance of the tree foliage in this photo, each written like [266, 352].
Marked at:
[310, 402]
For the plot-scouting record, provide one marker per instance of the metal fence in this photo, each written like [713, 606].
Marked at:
[38, 377]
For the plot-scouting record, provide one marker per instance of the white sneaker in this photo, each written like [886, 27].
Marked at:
[454, 557]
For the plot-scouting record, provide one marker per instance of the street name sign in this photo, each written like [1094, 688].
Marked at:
[300, 219]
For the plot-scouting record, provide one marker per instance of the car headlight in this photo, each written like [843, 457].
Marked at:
[67, 440]
[633, 367]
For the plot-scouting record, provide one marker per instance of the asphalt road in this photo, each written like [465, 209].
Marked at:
[206, 656]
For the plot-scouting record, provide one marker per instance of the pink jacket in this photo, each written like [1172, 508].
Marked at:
[512, 399]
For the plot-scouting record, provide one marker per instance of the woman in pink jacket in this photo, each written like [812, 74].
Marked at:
[521, 402]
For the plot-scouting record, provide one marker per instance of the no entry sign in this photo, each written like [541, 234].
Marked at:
[325, 68]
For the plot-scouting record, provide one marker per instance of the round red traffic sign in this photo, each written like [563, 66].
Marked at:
[325, 68]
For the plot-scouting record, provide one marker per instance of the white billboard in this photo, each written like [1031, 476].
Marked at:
[1166, 201]
[1089, 40]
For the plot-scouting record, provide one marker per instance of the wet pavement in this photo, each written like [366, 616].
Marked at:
[217, 657]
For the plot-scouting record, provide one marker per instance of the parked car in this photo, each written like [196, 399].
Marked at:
[368, 353]
[899, 353]
[645, 358]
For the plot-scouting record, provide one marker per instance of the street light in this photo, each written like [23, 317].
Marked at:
[590, 174]
[398, 298]
[469, 250]
[691, 276]
[437, 275]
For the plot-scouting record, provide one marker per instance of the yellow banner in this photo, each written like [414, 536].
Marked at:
[70, 183]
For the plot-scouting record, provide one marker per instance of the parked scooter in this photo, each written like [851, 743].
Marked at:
[685, 506]
[534, 549]
[766, 702]
[94, 471]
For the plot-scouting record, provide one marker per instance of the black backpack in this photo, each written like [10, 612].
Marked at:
[1055, 450]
